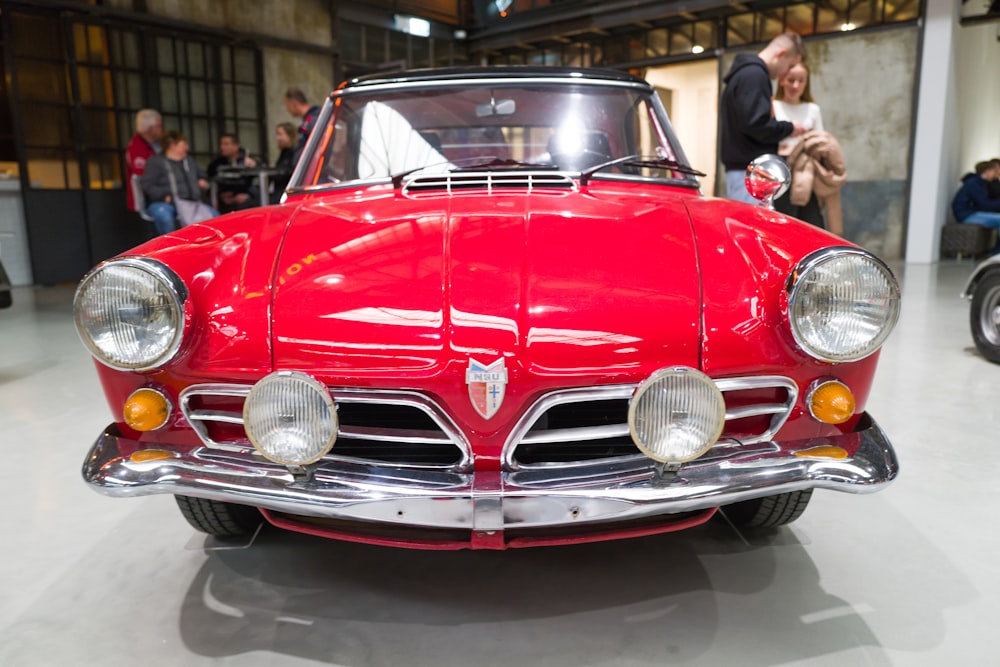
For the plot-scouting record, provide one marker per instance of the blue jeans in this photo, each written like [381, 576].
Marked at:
[736, 187]
[164, 216]
[984, 218]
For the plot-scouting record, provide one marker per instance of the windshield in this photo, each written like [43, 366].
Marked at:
[568, 125]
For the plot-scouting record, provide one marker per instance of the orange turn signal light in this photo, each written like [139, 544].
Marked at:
[831, 402]
[823, 452]
[150, 455]
[146, 410]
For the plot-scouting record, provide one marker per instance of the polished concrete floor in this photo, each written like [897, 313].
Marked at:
[908, 576]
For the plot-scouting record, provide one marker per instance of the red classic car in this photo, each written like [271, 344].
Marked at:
[493, 310]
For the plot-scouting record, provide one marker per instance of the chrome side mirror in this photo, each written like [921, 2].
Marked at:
[768, 177]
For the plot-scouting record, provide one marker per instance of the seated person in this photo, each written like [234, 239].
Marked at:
[234, 193]
[972, 203]
[170, 175]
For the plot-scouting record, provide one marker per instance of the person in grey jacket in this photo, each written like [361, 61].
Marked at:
[157, 186]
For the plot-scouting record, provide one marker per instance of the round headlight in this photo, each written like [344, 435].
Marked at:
[676, 415]
[290, 418]
[843, 304]
[130, 313]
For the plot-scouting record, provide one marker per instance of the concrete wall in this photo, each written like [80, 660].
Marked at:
[864, 84]
[301, 20]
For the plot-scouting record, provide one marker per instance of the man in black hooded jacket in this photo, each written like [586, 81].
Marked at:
[747, 127]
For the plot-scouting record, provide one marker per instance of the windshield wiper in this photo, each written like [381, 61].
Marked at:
[640, 161]
[505, 163]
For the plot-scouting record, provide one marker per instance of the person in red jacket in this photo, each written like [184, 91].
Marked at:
[143, 145]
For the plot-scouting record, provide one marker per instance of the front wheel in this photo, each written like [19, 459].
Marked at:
[769, 511]
[218, 518]
[984, 316]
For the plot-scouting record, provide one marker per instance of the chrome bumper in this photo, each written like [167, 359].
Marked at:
[601, 491]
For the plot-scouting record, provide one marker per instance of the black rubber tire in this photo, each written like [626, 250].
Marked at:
[984, 316]
[769, 511]
[218, 518]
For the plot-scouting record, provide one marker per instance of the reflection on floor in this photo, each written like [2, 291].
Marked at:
[908, 576]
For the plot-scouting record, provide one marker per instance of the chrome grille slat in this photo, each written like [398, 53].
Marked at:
[451, 183]
[407, 447]
[391, 435]
[756, 411]
[600, 442]
[574, 434]
[216, 416]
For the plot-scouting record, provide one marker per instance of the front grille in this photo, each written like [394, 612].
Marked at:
[581, 425]
[396, 428]
[533, 182]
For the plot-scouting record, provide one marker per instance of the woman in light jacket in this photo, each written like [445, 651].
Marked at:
[793, 102]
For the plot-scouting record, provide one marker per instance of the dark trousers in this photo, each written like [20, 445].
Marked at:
[810, 213]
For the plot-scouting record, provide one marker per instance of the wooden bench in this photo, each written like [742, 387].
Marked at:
[966, 239]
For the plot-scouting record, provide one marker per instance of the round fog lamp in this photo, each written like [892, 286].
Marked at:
[676, 415]
[290, 418]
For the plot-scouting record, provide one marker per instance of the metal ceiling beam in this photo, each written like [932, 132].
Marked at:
[541, 24]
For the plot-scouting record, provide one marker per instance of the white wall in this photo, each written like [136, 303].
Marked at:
[695, 89]
[978, 69]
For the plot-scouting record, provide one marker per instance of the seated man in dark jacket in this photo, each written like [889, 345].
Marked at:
[972, 202]
[235, 193]
[993, 187]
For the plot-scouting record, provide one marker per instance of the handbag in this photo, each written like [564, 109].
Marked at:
[188, 211]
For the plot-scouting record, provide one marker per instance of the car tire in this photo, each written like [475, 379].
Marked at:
[5, 289]
[984, 316]
[218, 518]
[769, 511]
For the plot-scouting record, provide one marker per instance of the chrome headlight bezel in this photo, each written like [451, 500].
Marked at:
[175, 294]
[881, 310]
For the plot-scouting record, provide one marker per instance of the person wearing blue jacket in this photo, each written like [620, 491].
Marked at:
[972, 202]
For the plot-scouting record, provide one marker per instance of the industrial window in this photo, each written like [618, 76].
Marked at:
[78, 83]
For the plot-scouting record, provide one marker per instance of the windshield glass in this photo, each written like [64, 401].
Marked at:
[391, 130]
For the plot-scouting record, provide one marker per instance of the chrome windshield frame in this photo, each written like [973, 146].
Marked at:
[659, 121]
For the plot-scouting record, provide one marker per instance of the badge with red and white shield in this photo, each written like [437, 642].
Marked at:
[487, 385]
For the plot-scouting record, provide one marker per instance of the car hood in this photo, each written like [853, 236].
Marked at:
[591, 285]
